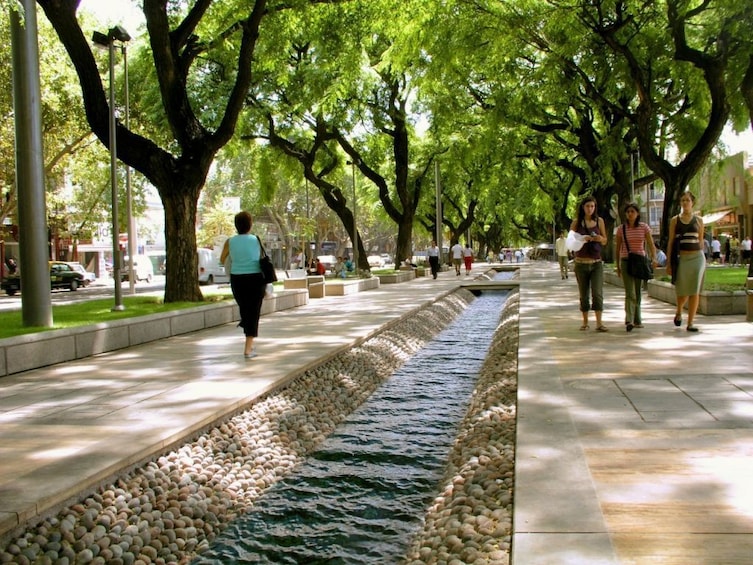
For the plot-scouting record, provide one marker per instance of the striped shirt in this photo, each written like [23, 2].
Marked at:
[636, 238]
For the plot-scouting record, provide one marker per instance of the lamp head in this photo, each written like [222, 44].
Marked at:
[118, 32]
[100, 39]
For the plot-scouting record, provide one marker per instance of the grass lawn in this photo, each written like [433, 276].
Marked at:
[725, 278]
[722, 278]
[92, 311]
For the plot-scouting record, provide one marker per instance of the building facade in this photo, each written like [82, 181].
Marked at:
[725, 197]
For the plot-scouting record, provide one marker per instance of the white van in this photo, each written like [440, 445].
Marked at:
[211, 271]
[143, 270]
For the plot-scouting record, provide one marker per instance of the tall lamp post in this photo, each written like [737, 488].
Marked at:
[355, 222]
[129, 195]
[116, 33]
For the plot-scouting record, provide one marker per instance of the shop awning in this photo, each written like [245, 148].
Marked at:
[715, 216]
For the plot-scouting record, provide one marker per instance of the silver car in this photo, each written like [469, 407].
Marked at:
[88, 277]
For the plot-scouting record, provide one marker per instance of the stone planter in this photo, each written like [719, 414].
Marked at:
[712, 303]
[351, 286]
[397, 277]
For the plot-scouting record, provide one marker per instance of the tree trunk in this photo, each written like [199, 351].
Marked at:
[180, 219]
[404, 239]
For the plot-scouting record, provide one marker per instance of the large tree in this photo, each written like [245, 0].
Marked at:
[203, 55]
[676, 57]
[353, 105]
[597, 80]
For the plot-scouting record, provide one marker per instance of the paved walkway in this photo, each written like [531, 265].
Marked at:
[69, 427]
[632, 448]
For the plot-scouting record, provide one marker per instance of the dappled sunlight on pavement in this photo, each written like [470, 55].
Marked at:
[68, 427]
[645, 438]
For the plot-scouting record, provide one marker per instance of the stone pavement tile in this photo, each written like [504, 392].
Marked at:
[656, 429]
[584, 548]
[676, 518]
[669, 549]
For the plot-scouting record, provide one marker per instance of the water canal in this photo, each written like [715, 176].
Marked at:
[362, 494]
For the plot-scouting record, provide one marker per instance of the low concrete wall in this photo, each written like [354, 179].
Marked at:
[313, 283]
[342, 287]
[31, 351]
[712, 302]
[397, 277]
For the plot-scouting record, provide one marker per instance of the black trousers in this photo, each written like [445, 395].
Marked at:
[434, 264]
[248, 291]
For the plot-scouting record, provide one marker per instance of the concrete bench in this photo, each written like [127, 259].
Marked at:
[397, 276]
[297, 279]
[342, 287]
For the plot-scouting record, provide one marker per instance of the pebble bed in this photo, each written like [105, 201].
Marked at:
[470, 522]
[170, 509]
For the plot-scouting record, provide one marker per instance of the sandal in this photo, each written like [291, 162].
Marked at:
[602, 328]
[677, 321]
[584, 327]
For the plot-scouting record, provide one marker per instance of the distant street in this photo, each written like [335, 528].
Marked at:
[101, 288]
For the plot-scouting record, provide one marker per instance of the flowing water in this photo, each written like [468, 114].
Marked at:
[361, 496]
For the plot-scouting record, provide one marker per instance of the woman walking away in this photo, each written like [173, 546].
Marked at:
[633, 237]
[246, 279]
[686, 261]
[589, 269]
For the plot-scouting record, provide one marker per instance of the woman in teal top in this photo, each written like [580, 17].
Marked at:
[246, 279]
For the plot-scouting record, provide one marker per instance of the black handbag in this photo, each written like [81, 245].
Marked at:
[638, 266]
[267, 268]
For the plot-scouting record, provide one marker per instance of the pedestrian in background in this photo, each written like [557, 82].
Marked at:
[467, 258]
[633, 237]
[589, 268]
[745, 250]
[686, 261]
[456, 253]
[246, 279]
[716, 250]
[563, 255]
[433, 254]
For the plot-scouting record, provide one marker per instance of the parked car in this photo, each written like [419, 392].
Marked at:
[143, 269]
[375, 261]
[62, 276]
[88, 277]
[211, 271]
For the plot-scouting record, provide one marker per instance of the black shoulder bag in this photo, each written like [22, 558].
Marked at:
[267, 268]
[638, 266]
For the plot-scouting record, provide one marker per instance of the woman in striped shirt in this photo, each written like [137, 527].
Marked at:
[639, 240]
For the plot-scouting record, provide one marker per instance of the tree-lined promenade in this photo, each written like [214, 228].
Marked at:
[336, 119]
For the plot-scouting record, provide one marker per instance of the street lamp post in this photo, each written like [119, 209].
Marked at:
[355, 222]
[129, 195]
[108, 40]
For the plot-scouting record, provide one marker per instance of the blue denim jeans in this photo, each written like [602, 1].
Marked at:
[590, 278]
